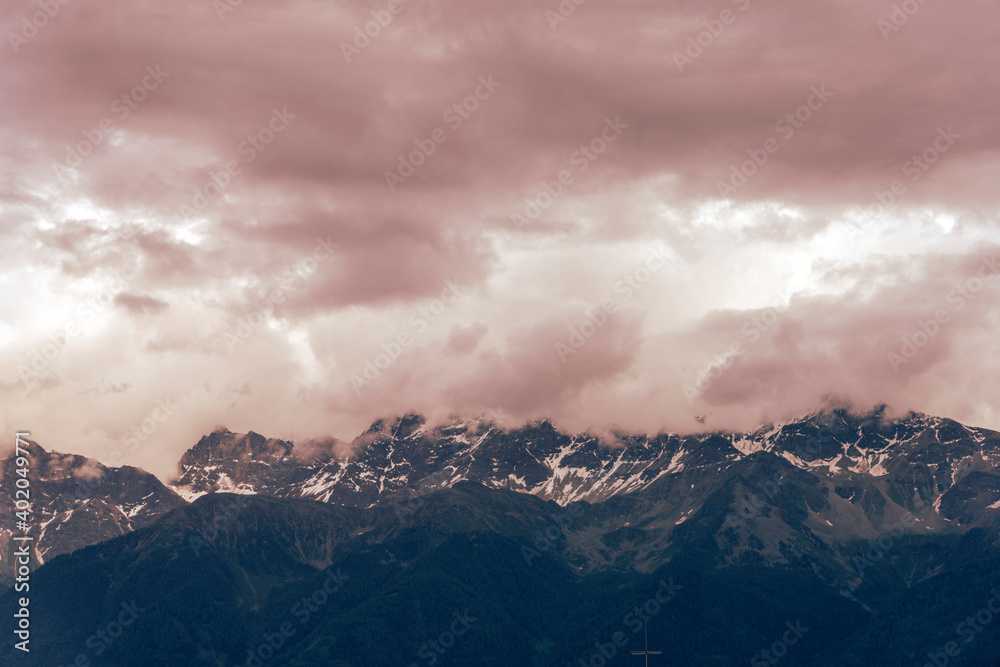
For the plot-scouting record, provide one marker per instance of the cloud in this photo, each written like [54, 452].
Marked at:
[140, 304]
[205, 170]
[89, 470]
[463, 340]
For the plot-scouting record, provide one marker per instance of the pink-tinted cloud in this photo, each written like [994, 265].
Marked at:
[228, 174]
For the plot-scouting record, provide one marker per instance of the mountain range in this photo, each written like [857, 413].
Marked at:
[879, 535]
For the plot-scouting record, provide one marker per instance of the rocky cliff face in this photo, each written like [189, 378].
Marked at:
[918, 459]
[841, 475]
[76, 501]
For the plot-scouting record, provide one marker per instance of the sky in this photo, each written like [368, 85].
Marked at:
[298, 217]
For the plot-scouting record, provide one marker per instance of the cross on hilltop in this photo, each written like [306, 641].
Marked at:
[646, 652]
